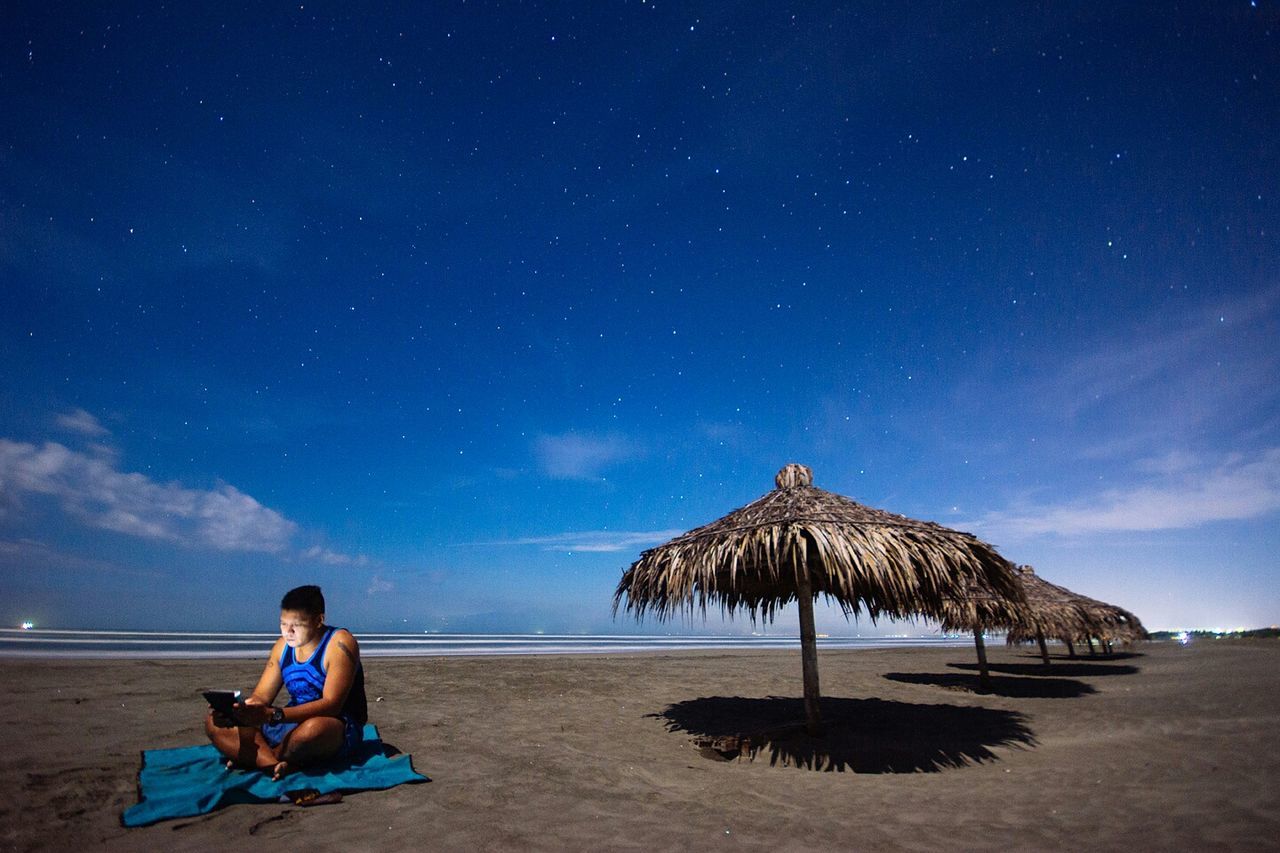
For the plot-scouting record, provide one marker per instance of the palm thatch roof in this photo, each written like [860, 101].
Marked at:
[1056, 612]
[1052, 611]
[860, 557]
[1111, 623]
[1047, 610]
[980, 608]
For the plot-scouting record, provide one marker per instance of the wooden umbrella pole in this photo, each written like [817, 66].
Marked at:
[1071, 648]
[1044, 650]
[808, 653]
[1092, 652]
[984, 677]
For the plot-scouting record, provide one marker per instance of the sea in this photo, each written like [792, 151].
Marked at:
[52, 643]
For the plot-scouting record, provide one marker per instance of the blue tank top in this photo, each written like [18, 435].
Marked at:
[305, 681]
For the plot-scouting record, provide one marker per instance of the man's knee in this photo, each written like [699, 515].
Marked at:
[316, 736]
[317, 727]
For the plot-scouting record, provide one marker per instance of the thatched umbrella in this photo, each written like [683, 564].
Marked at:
[1055, 611]
[979, 608]
[1052, 611]
[798, 542]
[1110, 623]
[1048, 609]
[1127, 628]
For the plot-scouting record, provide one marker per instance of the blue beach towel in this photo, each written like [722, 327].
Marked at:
[192, 780]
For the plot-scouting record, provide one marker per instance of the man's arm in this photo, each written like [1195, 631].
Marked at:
[271, 681]
[261, 697]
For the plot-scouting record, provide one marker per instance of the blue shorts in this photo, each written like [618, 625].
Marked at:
[352, 736]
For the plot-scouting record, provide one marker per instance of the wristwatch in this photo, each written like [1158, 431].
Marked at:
[277, 716]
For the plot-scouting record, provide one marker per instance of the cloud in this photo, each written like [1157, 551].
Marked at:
[93, 490]
[1180, 491]
[602, 541]
[81, 422]
[1207, 359]
[380, 585]
[580, 457]
[333, 558]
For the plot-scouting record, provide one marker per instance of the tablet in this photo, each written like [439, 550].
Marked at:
[221, 700]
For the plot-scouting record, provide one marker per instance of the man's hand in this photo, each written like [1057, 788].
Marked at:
[252, 714]
[220, 719]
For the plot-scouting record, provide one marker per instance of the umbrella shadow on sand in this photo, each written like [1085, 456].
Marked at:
[859, 736]
[1063, 669]
[1022, 687]
[1102, 656]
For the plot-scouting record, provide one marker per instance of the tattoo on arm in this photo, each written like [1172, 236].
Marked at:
[346, 650]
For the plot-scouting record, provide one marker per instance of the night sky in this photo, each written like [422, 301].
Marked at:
[454, 308]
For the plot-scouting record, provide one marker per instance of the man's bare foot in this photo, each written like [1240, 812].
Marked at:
[281, 770]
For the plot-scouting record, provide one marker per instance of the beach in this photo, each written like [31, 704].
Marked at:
[1168, 746]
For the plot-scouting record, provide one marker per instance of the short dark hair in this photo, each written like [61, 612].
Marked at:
[304, 599]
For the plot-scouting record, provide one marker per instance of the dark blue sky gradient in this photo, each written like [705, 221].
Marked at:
[454, 308]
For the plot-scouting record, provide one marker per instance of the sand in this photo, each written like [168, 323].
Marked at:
[1173, 747]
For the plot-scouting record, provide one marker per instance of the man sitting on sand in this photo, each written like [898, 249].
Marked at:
[327, 709]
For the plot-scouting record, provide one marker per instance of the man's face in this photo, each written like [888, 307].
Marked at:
[298, 628]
